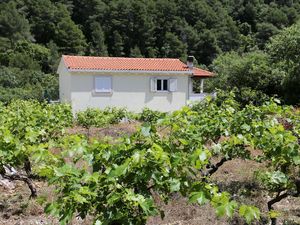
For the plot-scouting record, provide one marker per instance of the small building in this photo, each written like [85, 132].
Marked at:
[162, 84]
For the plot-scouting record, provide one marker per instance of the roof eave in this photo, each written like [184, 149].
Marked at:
[204, 75]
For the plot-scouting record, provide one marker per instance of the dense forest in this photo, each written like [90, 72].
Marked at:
[252, 45]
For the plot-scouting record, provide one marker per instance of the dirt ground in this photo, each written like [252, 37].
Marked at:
[113, 131]
[235, 176]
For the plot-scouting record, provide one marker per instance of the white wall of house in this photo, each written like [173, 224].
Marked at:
[130, 90]
[64, 83]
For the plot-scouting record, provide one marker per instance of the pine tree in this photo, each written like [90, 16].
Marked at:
[136, 52]
[118, 47]
[13, 25]
[69, 37]
[173, 47]
[54, 56]
[98, 40]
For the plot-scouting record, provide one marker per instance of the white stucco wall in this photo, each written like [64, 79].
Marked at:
[128, 90]
[64, 83]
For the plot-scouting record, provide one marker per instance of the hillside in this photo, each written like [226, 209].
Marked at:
[35, 33]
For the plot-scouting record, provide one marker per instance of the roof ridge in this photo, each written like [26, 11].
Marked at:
[112, 57]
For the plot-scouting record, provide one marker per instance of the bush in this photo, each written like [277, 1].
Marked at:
[151, 116]
[99, 118]
[243, 96]
[27, 84]
[114, 114]
[21, 116]
[252, 75]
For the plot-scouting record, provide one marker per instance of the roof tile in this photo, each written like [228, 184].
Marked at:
[121, 63]
[202, 73]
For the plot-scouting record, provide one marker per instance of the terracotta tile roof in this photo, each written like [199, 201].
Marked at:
[202, 73]
[119, 63]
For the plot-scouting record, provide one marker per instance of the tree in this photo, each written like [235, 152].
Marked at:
[173, 47]
[98, 40]
[21, 83]
[27, 55]
[206, 49]
[23, 61]
[250, 70]
[118, 47]
[69, 37]
[53, 58]
[43, 16]
[285, 51]
[136, 52]
[275, 15]
[264, 32]
[86, 12]
[53, 22]
[13, 25]
[37, 52]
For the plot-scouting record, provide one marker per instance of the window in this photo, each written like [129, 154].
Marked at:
[158, 84]
[103, 84]
[162, 85]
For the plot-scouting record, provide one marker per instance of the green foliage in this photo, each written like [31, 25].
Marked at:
[118, 179]
[264, 32]
[148, 115]
[26, 84]
[43, 30]
[252, 76]
[69, 37]
[251, 70]
[244, 96]
[284, 50]
[115, 182]
[36, 53]
[93, 117]
[14, 25]
[118, 45]
[274, 180]
[123, 175]
[250, 213]
[173, 47]
[98, 40]
[163, 28]
[26, 127]
[53, 22]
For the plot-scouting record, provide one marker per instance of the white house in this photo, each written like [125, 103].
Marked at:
[162, 84]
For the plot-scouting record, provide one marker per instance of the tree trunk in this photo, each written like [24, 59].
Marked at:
[10, 173]
[24, 179]
[278, 198]
[211, 169]
[27, 166]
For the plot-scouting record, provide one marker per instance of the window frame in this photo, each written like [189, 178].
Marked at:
[97, 91]
[162, 84]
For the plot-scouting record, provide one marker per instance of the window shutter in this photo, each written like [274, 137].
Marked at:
[172, 84]
[103, 84]
[152, 84]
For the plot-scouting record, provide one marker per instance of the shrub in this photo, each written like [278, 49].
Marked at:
[243, 96]
[20, 116]
[99, 118]
[149, 115]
